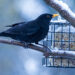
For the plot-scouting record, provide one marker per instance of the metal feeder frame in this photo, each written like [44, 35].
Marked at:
[50, 43]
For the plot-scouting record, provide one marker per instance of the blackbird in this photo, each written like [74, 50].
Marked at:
[30, 32]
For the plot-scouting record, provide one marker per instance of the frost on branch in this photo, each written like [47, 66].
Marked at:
[63, 10]
[53, 52]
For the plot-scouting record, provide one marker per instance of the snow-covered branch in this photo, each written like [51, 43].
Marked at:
[46, 51]
[63, 10]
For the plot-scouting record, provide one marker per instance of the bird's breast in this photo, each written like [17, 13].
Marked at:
[42, 33]
[38, 36]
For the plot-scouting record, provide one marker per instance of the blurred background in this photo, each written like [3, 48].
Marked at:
[15, 60]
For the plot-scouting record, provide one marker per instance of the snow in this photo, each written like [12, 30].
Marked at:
[64, 6]
[62, 52]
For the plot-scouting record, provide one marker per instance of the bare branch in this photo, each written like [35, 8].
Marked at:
[44, 50]
[63, 9]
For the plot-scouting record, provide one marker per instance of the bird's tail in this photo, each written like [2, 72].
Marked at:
[3, 34]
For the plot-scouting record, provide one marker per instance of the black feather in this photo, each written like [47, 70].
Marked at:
[30, 32]
[14, 24]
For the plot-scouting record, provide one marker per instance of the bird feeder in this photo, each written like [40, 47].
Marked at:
[61, 36]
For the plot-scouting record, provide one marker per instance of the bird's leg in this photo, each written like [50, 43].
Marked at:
[41, 45]
[25, 44]
[38, 44]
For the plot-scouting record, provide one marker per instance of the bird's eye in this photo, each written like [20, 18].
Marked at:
[48, 16]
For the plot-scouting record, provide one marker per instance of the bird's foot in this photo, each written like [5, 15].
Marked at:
[26, 44]
[41, 45]
[38, 44]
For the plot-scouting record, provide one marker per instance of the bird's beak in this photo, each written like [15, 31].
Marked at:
[54, 15]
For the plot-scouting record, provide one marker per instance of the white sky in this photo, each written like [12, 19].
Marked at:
[30, 8]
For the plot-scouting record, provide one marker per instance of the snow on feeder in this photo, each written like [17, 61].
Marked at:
[61, 36]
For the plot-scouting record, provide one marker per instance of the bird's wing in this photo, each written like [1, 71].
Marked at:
[31, 28]
[15, 24]
[26, 29]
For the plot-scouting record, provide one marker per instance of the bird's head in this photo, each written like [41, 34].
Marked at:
[45, 18]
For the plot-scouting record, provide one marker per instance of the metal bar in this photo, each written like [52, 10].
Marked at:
[52, 40]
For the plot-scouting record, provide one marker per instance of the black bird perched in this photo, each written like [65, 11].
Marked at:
[30, 32]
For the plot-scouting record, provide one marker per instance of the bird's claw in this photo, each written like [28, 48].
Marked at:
[25, 44]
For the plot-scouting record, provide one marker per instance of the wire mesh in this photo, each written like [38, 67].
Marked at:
[61, 36]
